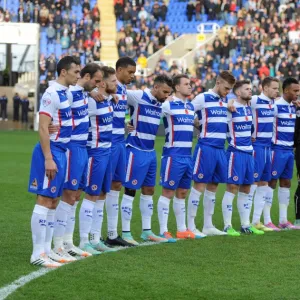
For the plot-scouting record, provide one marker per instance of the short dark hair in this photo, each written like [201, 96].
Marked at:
[227, 76]
[107, 71]
[176, 79]
[65, 64]
[161, 79]
[268, 80]
[91, 69]
[124, 62]
[239, 84]
[289, 81]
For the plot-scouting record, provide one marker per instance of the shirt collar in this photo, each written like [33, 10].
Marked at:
[175, 99]
[213, 93]
[287, 103]
[152, 98]
[57, 85]
[264, 97]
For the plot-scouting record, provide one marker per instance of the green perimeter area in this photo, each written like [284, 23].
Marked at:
[247, 267]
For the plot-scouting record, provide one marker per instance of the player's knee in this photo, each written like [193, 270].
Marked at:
[69, 197]
[130, 192]
[116, 186]
[148, 190]
[272, 184]
[285, 183]
[181, 193]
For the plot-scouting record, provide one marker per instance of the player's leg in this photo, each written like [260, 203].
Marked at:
[209, 200]
[284, 191]
[197, 190]
[118, 156]
[263, 158]
[146, 199]
[297, 193]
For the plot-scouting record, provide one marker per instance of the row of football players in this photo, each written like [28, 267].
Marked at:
[82, 147]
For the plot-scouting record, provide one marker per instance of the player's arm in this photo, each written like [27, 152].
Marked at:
[198, 102]
[230, 105]
[92, 107]
[47, 110]
[96, 95]
[133, 97]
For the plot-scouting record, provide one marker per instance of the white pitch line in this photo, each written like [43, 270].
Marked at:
[12, 287]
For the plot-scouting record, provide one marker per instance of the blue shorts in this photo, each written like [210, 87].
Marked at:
[282, 164]
[176, 172]
[262, 163]
[77, 162]
[210, 164]
[99, 174]
[141, 168]
[240, 168]
[118, 158]
[38, 181]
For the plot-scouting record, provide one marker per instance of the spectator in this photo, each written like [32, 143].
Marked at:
[163, 11]
[44, 15]
[156, 10]
[134, 16]
[169, 38]
[198, 9]
[143, 15]
[118, 9]
[211, 10]
[126, 16]
[24, 109]
[51, 33]
[142, 61]
[42, 64]
[86, 5]
[3, 106]
[263, 71]
[190, 10]
[65, 41]
[16, 105]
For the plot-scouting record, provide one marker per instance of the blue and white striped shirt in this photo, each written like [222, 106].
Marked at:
[56, 105]
[211, 110]
[119, 114]
[179, 125]
[263, 117]
[80, 115]
[146, 112]
[284, 125]
[239, 128]
[101, 118]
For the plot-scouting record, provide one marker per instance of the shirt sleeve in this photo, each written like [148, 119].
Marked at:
[275, 110]
[166, 108]
[198, 102]
[48, 104]
[253, 102]
[70, 97]
[92, 107]
[133, 97]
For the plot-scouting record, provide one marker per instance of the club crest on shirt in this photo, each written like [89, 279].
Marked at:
[255, 175]
[53, 189]
[94, 187]
[74, 182]
[134, 182]
[171, 182]
[34, 184]
[274, 173]
[46, 102]
[200, 176]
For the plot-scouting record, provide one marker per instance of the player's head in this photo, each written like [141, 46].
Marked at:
[182, 85]
[68, 70]
[291, 89]
[270, 87]
[125, 69]
[243, 90]
[162, 87]
[224, 83]
[91, 76]
[109, 83]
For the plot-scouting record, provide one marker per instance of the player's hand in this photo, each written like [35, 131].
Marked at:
[51, 168]
[230, 106]
[253, 140]
[53, 128]
[296, 103]
[130, 127]
[170, 98]
[97, 96]
[115, 99]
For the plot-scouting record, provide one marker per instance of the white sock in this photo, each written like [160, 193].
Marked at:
[49, 229]
[268, 205]
[112, 211]
[146, 208]
[250, 199]
[126, 212]
[85, 220]
[283, 199]
[243, 208]
[69, 231]
[227, 208]
[61, 216]
[179, 211]
[193, 203]
[259, 203]
[38, 229]
[209, 201]
[163, 213]
[96, 228]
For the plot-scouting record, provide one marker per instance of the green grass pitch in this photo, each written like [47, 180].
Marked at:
[248, 267]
